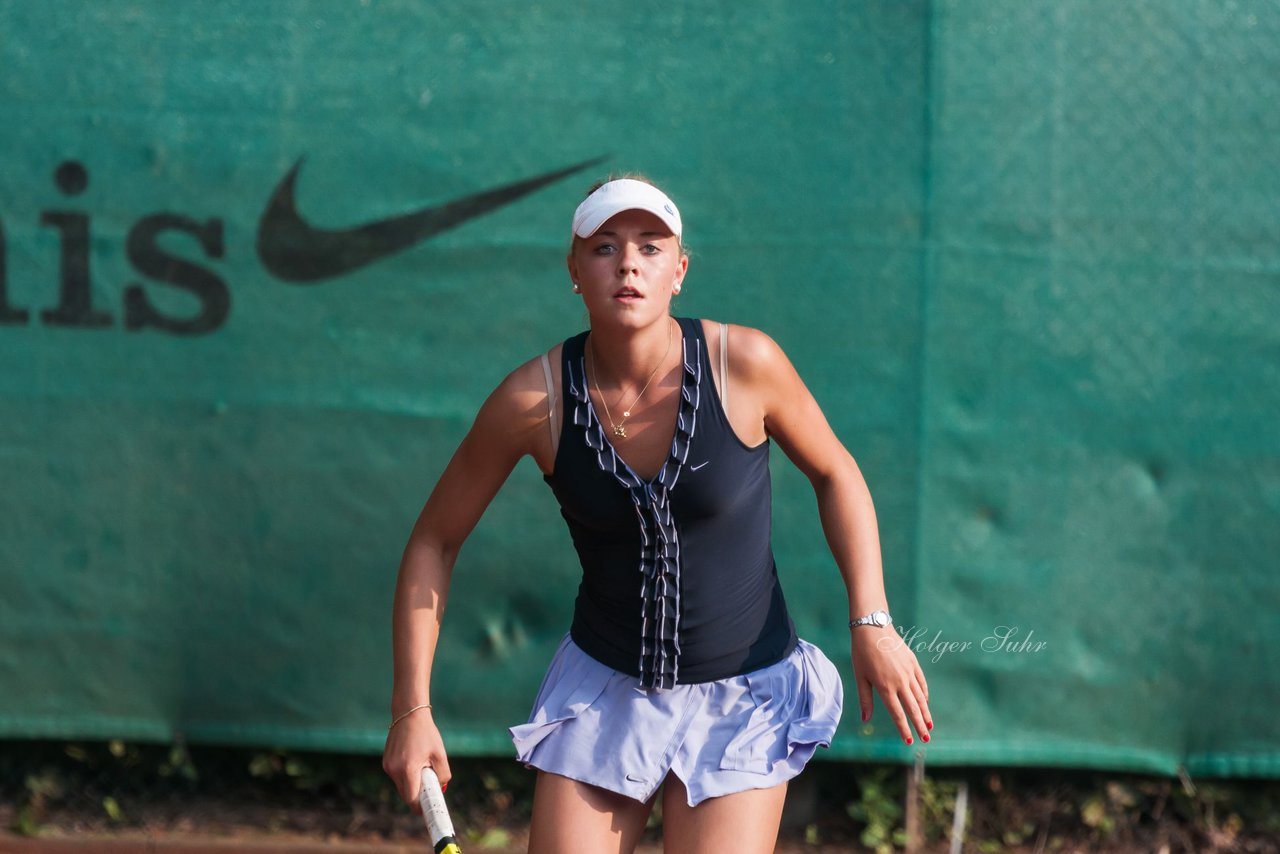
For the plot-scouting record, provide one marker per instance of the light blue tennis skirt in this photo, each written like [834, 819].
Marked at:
[594, 724]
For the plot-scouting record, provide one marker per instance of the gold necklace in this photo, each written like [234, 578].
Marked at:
[619, 429]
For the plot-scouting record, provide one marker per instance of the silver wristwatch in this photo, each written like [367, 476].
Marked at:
[875, 618]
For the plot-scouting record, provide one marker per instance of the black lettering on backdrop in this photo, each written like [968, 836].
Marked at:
[8, 314]
[289, 246]
[150, 260]
[75, 297]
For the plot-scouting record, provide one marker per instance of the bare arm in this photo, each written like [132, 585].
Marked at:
[502, 433]
[794, 420]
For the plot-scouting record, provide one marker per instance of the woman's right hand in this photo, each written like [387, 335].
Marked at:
[413, 744]
[512, 419]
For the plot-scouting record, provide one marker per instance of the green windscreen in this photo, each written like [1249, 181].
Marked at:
[260, 263]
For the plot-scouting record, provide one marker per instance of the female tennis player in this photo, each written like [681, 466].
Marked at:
[681, 673]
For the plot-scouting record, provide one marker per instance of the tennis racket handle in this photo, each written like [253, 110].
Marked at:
[436, 814]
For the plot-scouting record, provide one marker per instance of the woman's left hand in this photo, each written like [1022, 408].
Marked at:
[883, 661]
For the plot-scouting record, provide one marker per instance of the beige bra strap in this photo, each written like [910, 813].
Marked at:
[551, 399]
[724, 366]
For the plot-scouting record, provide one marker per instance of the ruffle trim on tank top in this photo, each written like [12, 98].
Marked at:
[660, 541]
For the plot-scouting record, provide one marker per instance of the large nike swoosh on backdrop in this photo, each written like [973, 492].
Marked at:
[294, 250]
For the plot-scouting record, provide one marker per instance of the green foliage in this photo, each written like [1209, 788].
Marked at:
[112, 808]
[655, 816]
[370, 785]
[179, 763]
[937, 806]
[41, 788]
[879, 809]
[26, 823]
[494, 837]
[355, 778]
[811, 835]
[112, 783]
[44, 784]
[1093, 812]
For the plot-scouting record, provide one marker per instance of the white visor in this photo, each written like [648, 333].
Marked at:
[624, 194]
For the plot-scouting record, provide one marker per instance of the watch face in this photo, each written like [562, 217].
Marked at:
[880, 618]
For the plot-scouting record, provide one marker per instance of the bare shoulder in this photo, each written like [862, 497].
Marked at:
[522, 394]
[517, 408]
[753, 353]
[791, 415]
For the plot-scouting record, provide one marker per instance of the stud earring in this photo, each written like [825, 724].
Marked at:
[577, 288]
[675, 289]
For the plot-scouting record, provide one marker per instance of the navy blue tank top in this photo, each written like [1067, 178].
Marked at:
[679, 583]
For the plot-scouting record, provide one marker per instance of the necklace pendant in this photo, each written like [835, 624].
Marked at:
[620, 431]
